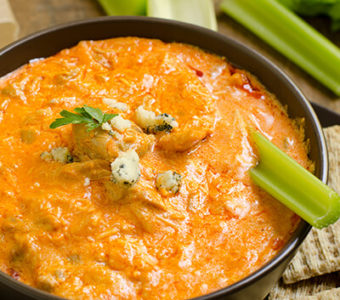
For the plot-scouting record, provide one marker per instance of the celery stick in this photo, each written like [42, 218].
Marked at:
[123, 7]
[199, 12]
[294, 186]
[290, 35]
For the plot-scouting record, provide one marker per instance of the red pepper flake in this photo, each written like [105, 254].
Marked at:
[258, 95]
[232, 70]
[199, 73]
[253, 90]
[14, 274]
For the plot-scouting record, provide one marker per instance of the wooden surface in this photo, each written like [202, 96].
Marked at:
[34, 15]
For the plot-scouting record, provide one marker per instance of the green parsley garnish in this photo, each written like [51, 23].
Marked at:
[92, 117]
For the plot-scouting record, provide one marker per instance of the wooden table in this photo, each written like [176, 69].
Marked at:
[34, 15]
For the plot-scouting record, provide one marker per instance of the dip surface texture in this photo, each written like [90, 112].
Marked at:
[59, 229]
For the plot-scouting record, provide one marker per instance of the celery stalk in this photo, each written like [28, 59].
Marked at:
[294, 186]
[199, 12]
[123, 7]
[290, 35]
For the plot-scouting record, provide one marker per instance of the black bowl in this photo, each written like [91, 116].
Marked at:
[50, 41]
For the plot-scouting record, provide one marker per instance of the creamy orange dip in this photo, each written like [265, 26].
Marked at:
[65, 229]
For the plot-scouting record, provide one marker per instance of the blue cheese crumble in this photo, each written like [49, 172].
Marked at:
[151, 123]
[125, 169]
[106, 126]
[115, 104]
[120, 124]
[59, 154]
[169, 181]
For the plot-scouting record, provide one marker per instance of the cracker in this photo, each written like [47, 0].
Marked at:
[305, 289]
[320, 252]
[333, 294]
[332, 135]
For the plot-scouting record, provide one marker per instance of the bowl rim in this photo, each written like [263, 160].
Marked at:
[302, 230]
